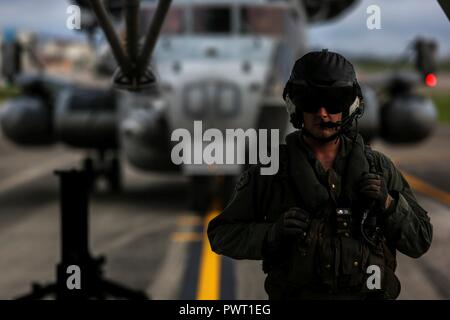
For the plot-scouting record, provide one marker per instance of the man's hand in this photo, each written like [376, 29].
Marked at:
[373, 186]
[292, 223]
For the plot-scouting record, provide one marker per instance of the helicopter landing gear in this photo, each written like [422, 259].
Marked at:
[106, 166]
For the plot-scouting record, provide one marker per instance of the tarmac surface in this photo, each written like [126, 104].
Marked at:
[153, 242]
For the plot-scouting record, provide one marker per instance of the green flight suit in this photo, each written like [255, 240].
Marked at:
[329, 262]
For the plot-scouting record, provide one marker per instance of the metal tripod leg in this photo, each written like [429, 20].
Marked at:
[39, 291]
[74, 201]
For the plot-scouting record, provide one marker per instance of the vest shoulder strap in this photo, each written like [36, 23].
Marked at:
[284, 177]
[374, 166]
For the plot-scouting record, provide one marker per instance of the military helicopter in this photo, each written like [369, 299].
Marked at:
[221, 62]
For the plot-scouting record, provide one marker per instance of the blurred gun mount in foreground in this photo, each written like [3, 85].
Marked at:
[78, 275]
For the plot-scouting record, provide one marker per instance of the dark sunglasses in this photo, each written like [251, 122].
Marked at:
[333, 99]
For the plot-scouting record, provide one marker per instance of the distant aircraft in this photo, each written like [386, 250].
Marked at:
[222, 62]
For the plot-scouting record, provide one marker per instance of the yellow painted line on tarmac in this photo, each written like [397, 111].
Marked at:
[186, 229]
[427, 189]
[208, 287]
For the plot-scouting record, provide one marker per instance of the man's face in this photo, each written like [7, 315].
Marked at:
[312, 122]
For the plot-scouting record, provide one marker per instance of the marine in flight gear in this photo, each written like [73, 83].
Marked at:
[319, 224]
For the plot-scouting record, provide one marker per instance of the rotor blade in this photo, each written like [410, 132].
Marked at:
[445, 5]
[132, 21]
[153, 32]
[108, 29]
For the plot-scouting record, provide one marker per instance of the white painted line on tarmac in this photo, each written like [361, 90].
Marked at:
[27, 175]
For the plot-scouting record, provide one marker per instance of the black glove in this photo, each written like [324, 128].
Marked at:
[373, 186]
[291, 224]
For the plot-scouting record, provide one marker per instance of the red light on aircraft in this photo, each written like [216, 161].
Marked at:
[431, 80]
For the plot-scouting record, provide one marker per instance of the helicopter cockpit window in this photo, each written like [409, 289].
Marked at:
[264, 21]
[214, 19]
[174, 23]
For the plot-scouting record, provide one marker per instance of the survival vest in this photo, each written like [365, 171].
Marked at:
[334, 256]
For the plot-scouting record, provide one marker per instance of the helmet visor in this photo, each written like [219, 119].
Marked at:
[333, 99]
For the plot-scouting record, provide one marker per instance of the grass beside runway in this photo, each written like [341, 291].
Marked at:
[441, 99]
[8, 92]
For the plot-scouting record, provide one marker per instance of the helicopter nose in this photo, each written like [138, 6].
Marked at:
[212, 98]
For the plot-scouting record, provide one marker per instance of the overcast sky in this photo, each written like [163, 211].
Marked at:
[401, 21]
